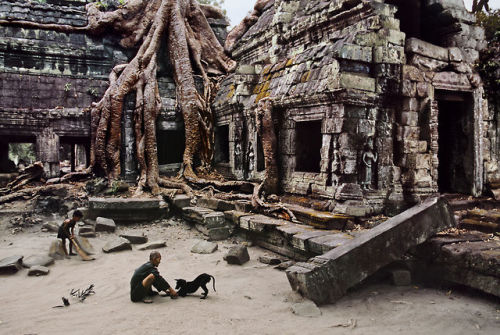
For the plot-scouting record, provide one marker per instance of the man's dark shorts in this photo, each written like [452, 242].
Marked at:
[138, 293]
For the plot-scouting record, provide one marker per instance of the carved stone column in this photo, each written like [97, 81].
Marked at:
[47, 151]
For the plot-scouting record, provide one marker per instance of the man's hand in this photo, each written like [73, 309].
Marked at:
[173, 293]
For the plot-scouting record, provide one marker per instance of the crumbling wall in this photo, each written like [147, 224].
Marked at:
[351, 66]
[49, 78]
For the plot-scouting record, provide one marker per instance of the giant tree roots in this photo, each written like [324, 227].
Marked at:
[193, 51]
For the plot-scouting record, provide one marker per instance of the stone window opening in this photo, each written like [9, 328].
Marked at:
[170, 146]
[456, 143]
[16, 155]
[222, 144]
[73, 154]
[308, 142]
[418, 20]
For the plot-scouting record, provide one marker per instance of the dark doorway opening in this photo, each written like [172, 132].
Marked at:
[222, 144]
[456, 142]
[16, 152]
[170, 146]
[409, 14]
[308, 142]
[74, 153]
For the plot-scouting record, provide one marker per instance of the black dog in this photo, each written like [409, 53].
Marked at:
[185, 287]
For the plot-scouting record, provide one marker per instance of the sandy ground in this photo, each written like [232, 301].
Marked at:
[250, 299]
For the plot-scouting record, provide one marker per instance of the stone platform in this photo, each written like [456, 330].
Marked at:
[127, 211]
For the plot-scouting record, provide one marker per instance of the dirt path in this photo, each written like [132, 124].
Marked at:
[250, 299]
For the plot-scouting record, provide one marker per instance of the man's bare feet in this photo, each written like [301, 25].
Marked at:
[147, 301]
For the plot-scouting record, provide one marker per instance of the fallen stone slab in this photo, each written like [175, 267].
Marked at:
[284, 265]
[117, 244]
[301, 240]
[38, 270]
[237, 255]
[135, 239]
[127, 210]
[321, 244]
[204, 247]
[85, 245]
[11, 264]
[219, 233]
[152, 245]
[37, 260]
[306, 309]
[104, 224]
[204, 216]
[181, 200]
[326, 278]
[319, 219]
[269, 260]
[260, 223]
[56, 250]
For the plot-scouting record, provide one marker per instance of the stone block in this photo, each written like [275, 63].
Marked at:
[38, 270]
[356, 52]
[11, 264]
[414, 45]
[117, 244]
[37, 260]
[455, 54]
[389, 55]
[204, 247]
[409, 118]
[219, 233]
[181, 200]
[306, 309]
[326, 278]
[260, 223]
[237, 255]
[135, 238]
[321, 244]
[265, 259]
[354, 81]
[152, 245]
[301, 240]
[104, 224]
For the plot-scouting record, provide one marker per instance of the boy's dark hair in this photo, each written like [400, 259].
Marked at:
[77, 214]
[154, 254]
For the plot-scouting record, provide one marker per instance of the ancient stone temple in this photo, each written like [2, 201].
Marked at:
[376, 103]
[49, 79]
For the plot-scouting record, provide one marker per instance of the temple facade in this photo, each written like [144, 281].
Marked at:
[376, 103]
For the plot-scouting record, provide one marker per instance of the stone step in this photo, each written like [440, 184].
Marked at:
[127, 210]
[320, 219]
[209, 222]
[471, 259]
[326, 278]
[484, 215]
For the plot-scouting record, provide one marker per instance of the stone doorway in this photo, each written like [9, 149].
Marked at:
[456, 142]
[308, 146]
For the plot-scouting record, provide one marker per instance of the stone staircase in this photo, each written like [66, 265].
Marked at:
[481, 214]
[218, 219]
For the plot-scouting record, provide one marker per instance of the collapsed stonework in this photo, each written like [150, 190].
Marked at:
[376, 103]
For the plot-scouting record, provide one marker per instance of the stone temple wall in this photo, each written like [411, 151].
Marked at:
[358, 83]
[49, 78]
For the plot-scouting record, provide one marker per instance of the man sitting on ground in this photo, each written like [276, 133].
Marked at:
[147, 275]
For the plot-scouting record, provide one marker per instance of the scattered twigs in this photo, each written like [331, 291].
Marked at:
[82, 294]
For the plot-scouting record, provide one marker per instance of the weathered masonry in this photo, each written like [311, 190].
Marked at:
[376, 103]
[49, 78]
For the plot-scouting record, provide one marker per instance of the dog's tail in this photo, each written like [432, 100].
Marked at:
[213, 278]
